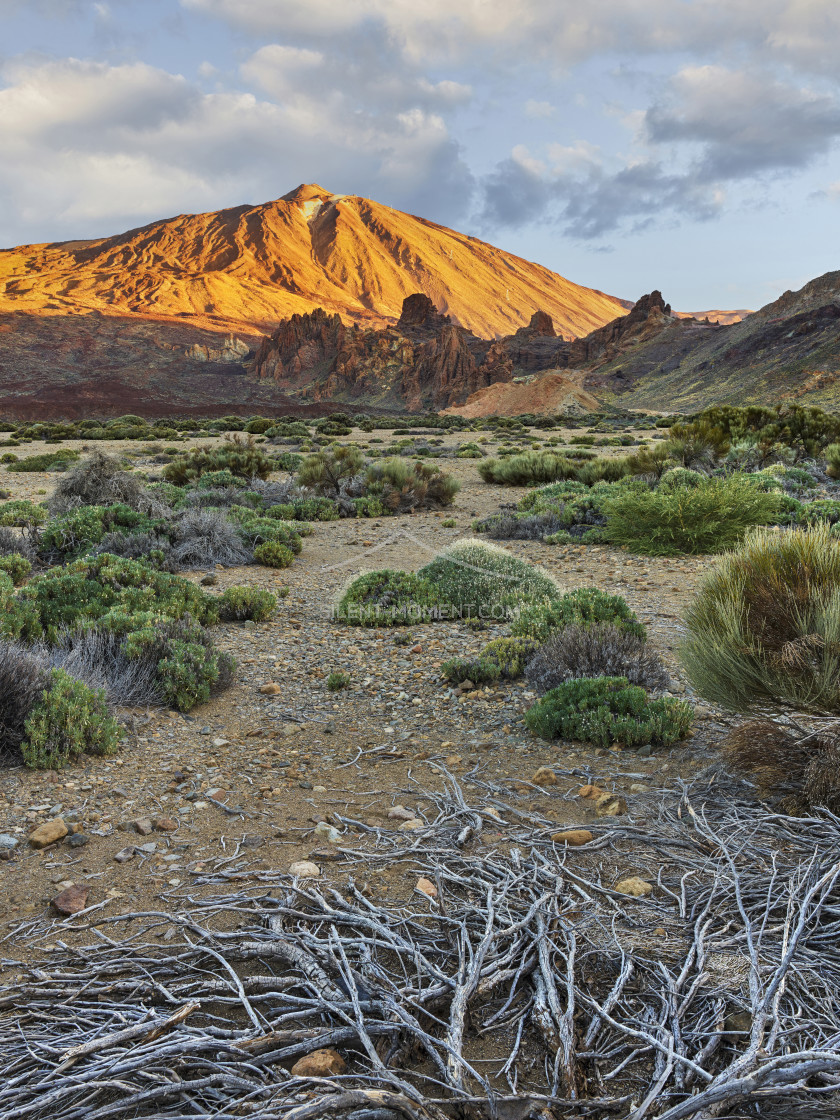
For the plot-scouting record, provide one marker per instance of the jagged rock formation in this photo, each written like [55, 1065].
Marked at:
[425, 361]
[788, 350]
[646, 319]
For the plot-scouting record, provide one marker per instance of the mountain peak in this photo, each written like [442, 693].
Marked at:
[307, 192]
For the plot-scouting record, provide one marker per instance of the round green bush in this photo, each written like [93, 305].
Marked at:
[478, 579]
[388, 598]
[17, 566]
[71, 719]
[272, 554]
[605, 710]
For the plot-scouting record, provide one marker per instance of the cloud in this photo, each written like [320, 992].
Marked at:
[88, 144]
[539, 110]
[803, 33]
[746, 122]
[712, 127]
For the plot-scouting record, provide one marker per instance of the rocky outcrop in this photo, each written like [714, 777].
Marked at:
[647, 317]
[442, 370]
[420, 316]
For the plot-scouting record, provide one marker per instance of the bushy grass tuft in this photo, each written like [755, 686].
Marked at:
[48, 461]
[710, 517]
[477, 670]
[401, 486]
[795, 771]
[237, 455]
[272, 554]
[607, 710]
[101, 480]
[509, 655]
[763, 633]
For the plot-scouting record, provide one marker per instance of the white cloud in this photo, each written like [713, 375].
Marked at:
[85, 142]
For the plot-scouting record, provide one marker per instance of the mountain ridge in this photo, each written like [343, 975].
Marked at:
[245, 268]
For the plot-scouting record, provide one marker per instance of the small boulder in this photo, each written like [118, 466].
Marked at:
[305, 869]
[165, 824]
[400, 813]
[545, 776]
[573, 836]
[590, 792]
[410, 826]
[71, 900]
[610, 805]
[634, 886]
[426, 886]
[125, 854]
[48, 832]
[143, 826]
[320, 1063]
[270, 689]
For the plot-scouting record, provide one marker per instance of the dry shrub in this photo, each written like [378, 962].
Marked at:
[203, 538]
[100, 480]
[602, 650]
[23, 678]
[795, 771]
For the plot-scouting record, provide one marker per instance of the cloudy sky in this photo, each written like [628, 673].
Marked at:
[689, 145]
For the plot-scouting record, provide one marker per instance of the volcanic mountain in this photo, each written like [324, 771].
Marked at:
[244, 269]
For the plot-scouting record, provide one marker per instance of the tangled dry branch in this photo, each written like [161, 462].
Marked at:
[528, 987]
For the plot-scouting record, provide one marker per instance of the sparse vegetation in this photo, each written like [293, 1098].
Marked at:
[598, 650]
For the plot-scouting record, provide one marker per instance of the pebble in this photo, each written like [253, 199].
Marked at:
[165, 824]
[320, 1063]
[48, 832]
[426, 886]
[573, 836]
[590, 791]
[326, 832]
[8, 843]
[270, 689]
[305, 869]
[125, 854]
[410, 826]
[143, 826]
[77, 840]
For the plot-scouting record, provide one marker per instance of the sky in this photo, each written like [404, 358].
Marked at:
[687, 145]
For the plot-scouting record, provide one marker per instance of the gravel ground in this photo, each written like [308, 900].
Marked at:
[243, 783]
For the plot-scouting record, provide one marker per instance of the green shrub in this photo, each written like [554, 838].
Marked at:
[460, 669]
[77, 531]
[388, 598]
[337, 680]
[585, 606]
[711, 517]
[255, 530]
[326, 470]
[239, 456]
[189, 669]
[823, 509]
[400, 486]
[832, 460]
[606, 710]
[288, 461]
[239, 604]
[682, 478]
[305, 509]
[528, 469]
[22, 514]
[8, 457]
[274, 555]
[16, 566]
[478, 579]
[106, 590]
[212, 480]
[448, 523]
[509, 655]
[48, 461]
[763, 633]
[71, 719]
